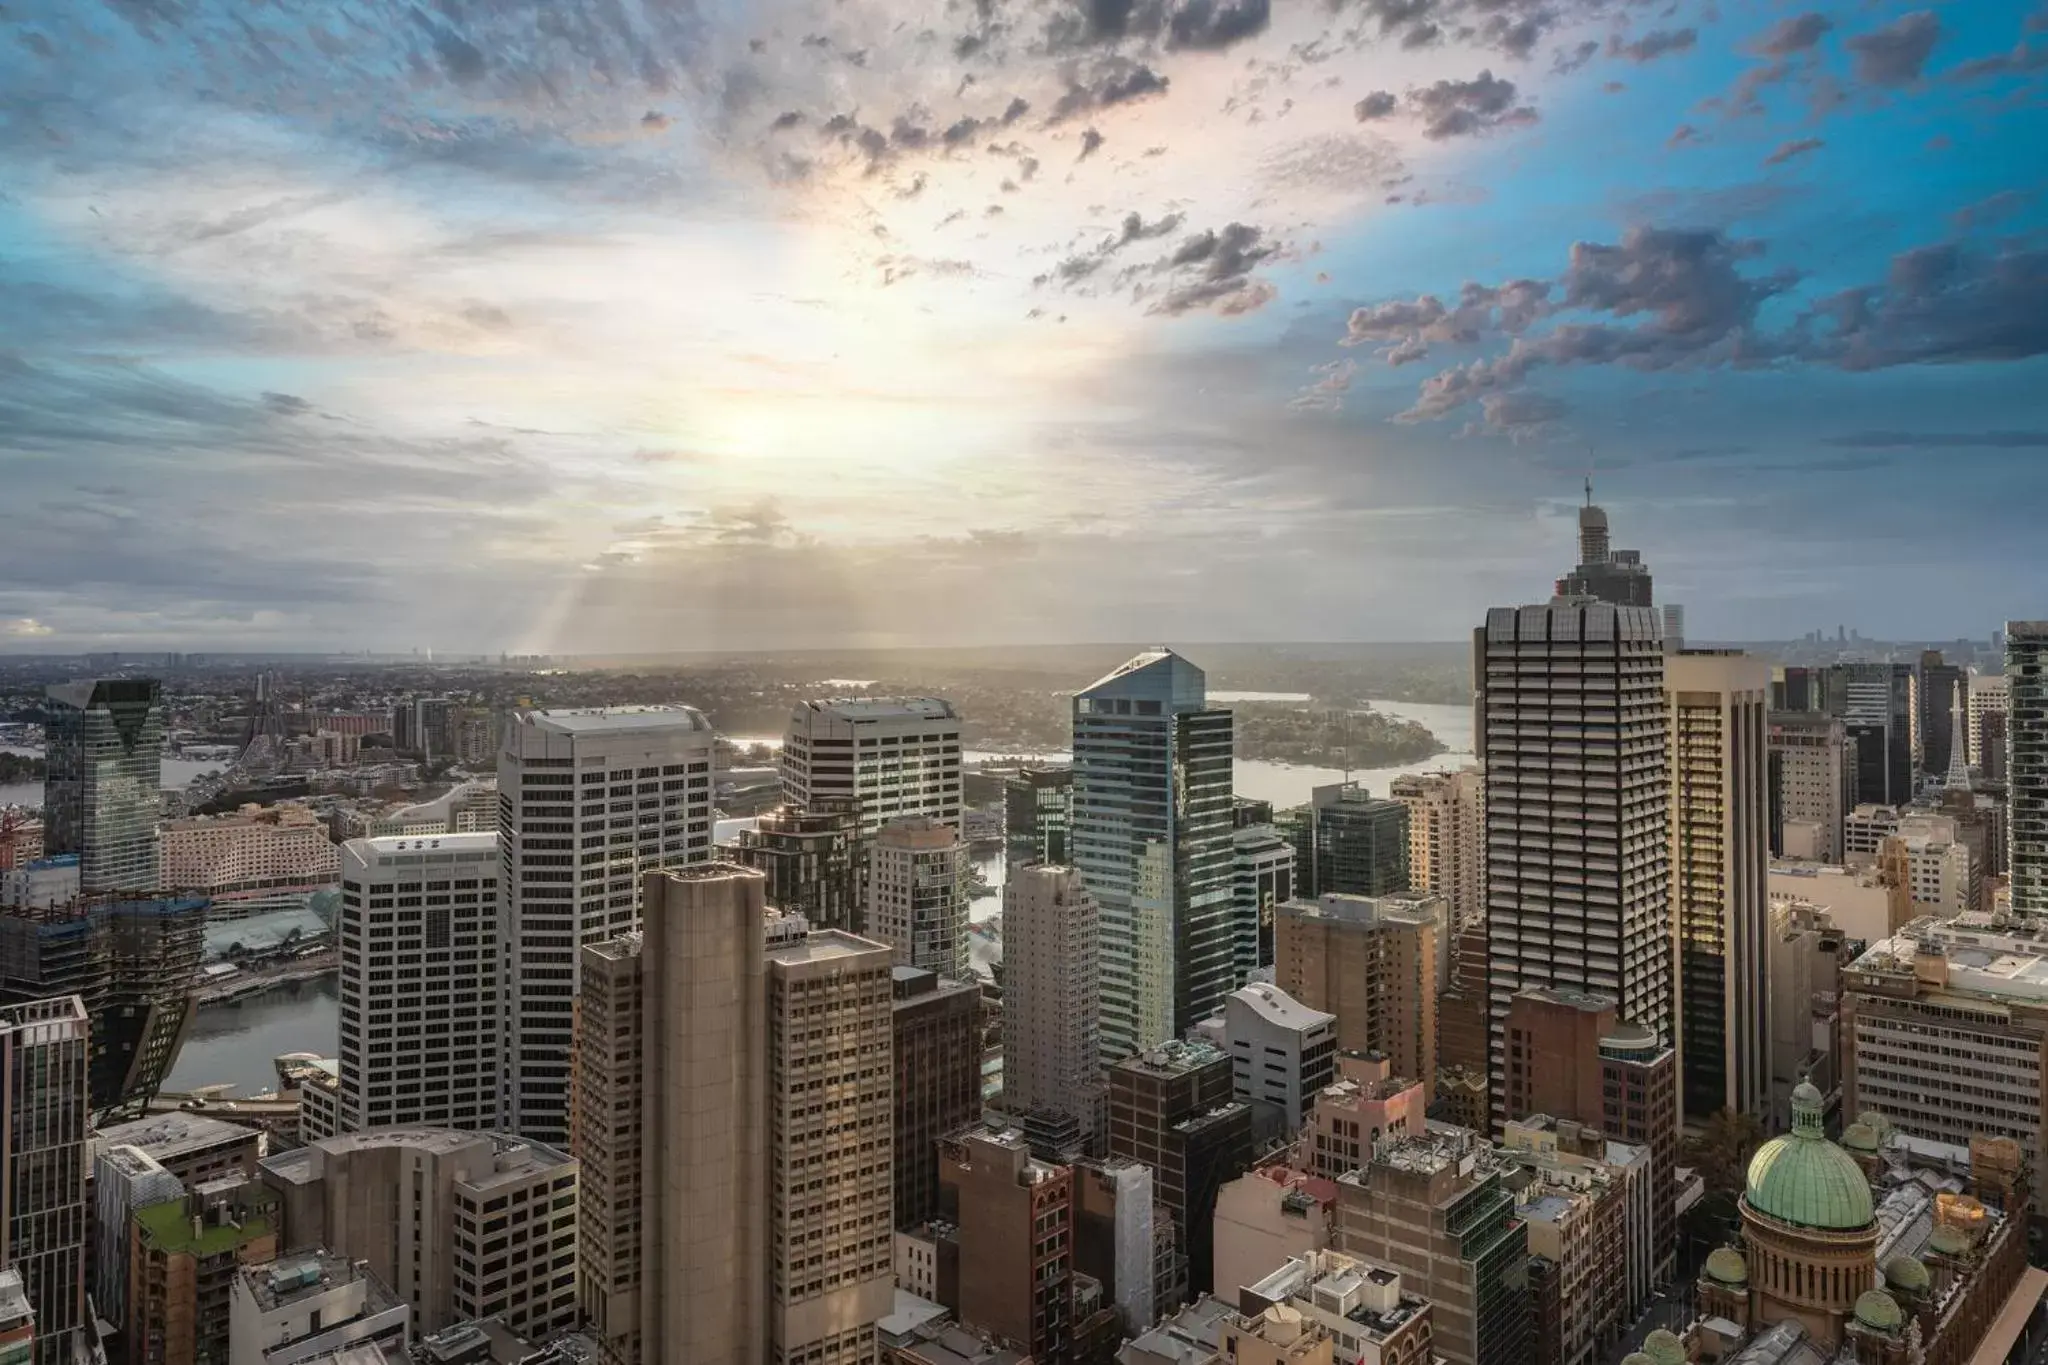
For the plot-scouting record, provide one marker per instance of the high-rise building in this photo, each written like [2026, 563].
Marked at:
[1572, 729]
[1123, 1240]
[830, 1048]
[1437, 1210]
[1012, 1217]
[132, 961]
[420, 972]
[1989, 695]
[895, 756]
[1569, 1057]
[589, 800]
[1361, 842]
[1172, 1108]
[1720, 868]
[917, 894]
[103, 786]
[1812, 784]
[607, 1128]
[1051, 1057]
[937, 1052]
[1604, 574]
[1876, 703]
[811, 856]
[184, 1256]
[2026, 749]
[1942, 687]
[1447, 837]
[1261, 877]
[1038, 804]
[1373, 963]
[44, 1046]
[258, 859]
[1282, 1053]
[124, 1179]
[460, 1225]
[1151, 837]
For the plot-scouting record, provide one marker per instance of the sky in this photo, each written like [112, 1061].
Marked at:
[583, 326]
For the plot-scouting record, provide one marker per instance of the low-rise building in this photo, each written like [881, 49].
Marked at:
[1865, 902]
[183, 1258]
[304, 1308]
[1354, 1114]
[257, 859]
[1265, 1216]
[196, 1148]
[1371, 1315]
[1281, 1053]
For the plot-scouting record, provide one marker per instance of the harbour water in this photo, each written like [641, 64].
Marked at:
[235, 1044]
[178, 774]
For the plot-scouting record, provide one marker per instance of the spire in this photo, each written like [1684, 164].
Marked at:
[1589, 488]
[1958, 742]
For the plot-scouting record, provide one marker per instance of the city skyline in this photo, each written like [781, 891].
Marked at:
[552, 316]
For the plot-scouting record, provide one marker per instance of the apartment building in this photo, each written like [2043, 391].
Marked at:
[1376, 964]
[894, 756]
[257, 859]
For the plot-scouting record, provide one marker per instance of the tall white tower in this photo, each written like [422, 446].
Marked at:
[588, 800]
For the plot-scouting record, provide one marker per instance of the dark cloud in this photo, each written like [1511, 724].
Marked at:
[1082, 265]
[1517, 37]
[1017, 108]
[788, 119]
[1897, 53]
[1466, 108]
[1213, 270]
[1994, 209]
[1787, 151]
[1116, 80]
[459, 58]
[1378, 105]
[1211, 25]
[1800, 33]
[1407, 328]
[1939, 304]
[1563, 62]
[1092, 23]
[654, 120]
[1941, 440]
[2022, 57]
[1654, 44]
[1091, 142]
[286, 404]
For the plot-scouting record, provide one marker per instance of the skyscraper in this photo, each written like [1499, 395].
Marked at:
[1447, 837]
[1376, 964]
[937, 1054]
[1720, 864]
[1571, 724]
[1151, 837]
[103, 787]
[1361, 842]
[812, 858]
[420, 970]
[1051, 1053]
[2026, 748]
[1988, 696]
[1875, 702]
[588, 800]
[1604, 574]
[896, 756]
[1812, 784]
[43, 1133]
[917, 895]
[1037, 805]
[1942, 686]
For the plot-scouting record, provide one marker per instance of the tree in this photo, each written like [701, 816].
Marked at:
[1721, 1151]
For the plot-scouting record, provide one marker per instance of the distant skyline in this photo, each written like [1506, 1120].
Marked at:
[632, 326]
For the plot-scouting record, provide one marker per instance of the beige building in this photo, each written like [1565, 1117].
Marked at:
[607, 1122]
[259, 858]
[1266, 1216]
[1813, 761]
[1929, 858]
[1945, 1032]
[1368, 1311]
[460, 1225]
[1864, 902]
[1366, 1105]
[1717, 703]
[1051, 1057]
[1279, 1335]
[1990, 694]
[829, 1045]
[1374, 963]
[1806, 959]
[917, 895]
[1447, 837]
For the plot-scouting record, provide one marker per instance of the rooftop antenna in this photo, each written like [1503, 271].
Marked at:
[1589, 487]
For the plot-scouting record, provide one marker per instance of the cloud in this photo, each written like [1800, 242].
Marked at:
[1994, 208]
[1896, 54]
[1519, 416]
[1788, 151]
[24, 628]
[1091, 142]
[1111, 81]
[1800, 33]
[1654, 44]
[1939, 304]
[1468, 108]
[1326, 393]
[287, 404]
[1941, 440]
[1213, 270]
[1378, 105]
[1211, 25]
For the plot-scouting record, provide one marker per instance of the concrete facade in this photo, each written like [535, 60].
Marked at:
[917, 895]
[1051, 1053]
[895, 756]
[1376, 964]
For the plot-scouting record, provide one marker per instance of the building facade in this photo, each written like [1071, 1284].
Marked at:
[1012, 1223]
[1573, 730]
[1051, 1055]
[1812, 784]
[44, 1049]
[1447, 837]
[1361, 842]
[1989, 695]
[607, 1135]
[1876, 703]
[420, 974]
[812, 859]
[1373, 963]
[917, 894]
[2026, 762]
[1720, 868]
[1172, 1108]
[895, 757]
[103, 783]
[260, 858]
[1261, 877]
[1282, 1053]
[937, 1051]
[1151, 838]
[1038, 804]
[589, 801]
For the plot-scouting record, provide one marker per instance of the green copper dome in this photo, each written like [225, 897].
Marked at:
[1726, 1265]
[1637, 1358]
[1904, 1273]
[1664, 1348]
[1875, 1308]
[1804, 1179]
[1860, 1137]
[1949, 1241]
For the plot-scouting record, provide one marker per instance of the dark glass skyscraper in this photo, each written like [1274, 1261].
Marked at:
[104, 785]
[1151, 837]
[1361, 842]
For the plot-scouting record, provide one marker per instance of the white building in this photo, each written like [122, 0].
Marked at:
[588, 801]
[256, 859]
[1938, 872]
[41, 883]
[305, 1307]
[898, 756]
[1864, 829]
[917, 895]
[1051, 1057]
[1281, 1052]
[421, 963]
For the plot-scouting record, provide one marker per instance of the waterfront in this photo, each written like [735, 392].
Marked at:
[177, 775]
[235, 1044]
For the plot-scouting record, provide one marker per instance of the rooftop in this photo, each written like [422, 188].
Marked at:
[14, 1305]
[1277, 1007]
[512, 1159]
[871, 709]
[1173, 1057]
[1404, 908]
[368, 852]
[305, 1274]
[824, 945]
[613, 719]
[1983, 955]
[169, 1227]
[166, 1137]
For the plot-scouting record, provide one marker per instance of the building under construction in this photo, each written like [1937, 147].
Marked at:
[133, 961]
